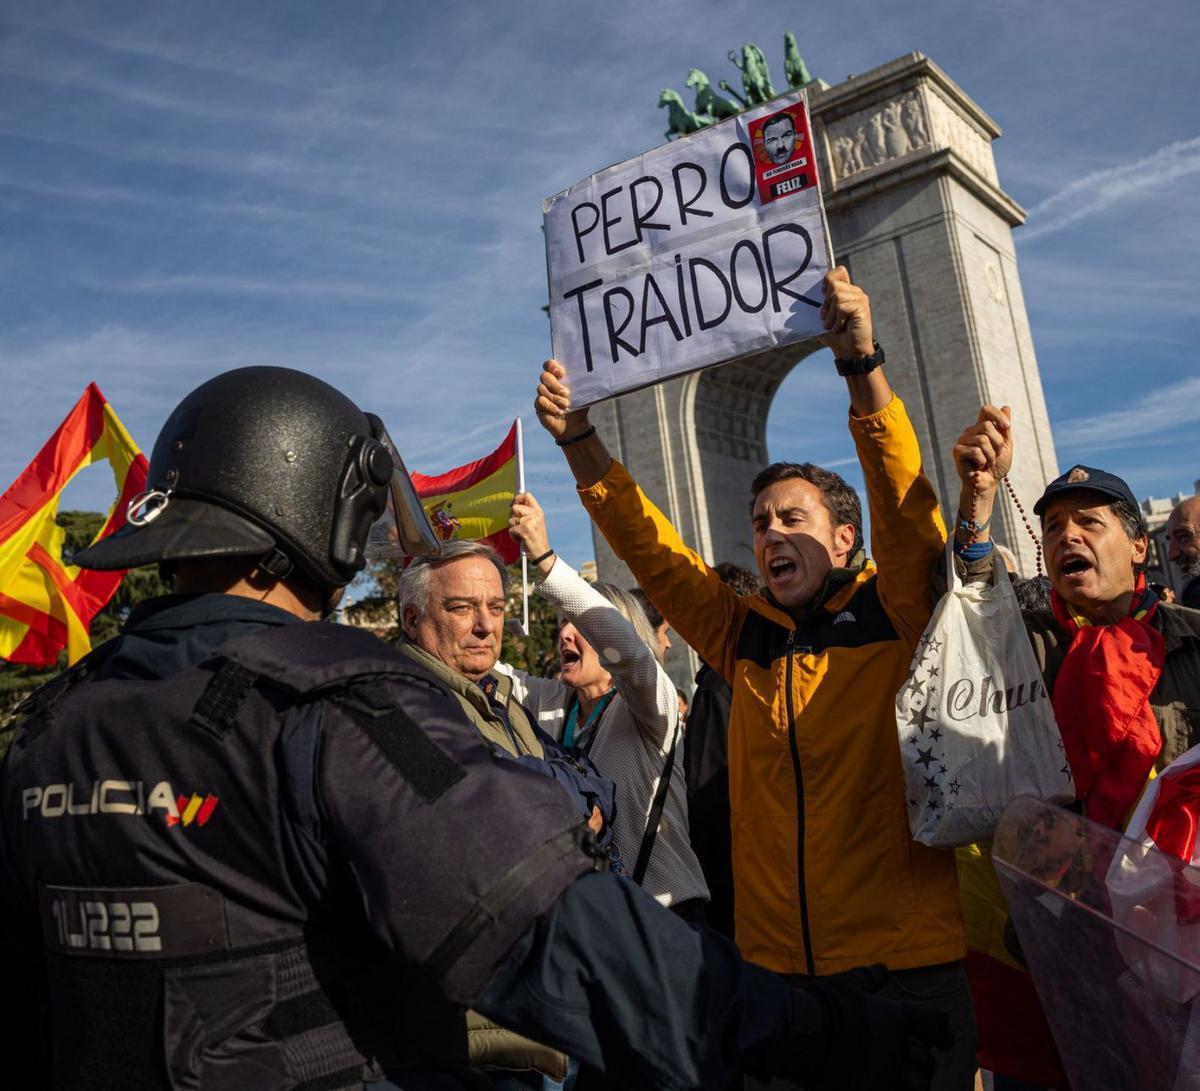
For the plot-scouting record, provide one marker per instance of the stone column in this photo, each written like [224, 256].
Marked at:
[916, 212]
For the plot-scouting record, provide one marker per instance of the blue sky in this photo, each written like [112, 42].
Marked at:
[354, 189]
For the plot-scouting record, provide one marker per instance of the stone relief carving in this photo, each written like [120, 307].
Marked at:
[878, 134]
[914, 121]
[889, 130]
[952, 130]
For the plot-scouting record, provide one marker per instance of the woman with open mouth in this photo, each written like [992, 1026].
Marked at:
[618, 705]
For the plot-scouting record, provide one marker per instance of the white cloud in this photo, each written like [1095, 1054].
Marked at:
[341, 290]
[1102, 189]
[142, 196]
[1168, 407]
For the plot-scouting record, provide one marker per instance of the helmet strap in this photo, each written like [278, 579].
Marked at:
[330, 597]
[275, 563]
[279, 566]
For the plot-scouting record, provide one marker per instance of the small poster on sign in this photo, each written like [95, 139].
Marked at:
[783, 158]
[699, 252]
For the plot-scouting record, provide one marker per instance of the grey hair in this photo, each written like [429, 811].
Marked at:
[414, 583]
[631, 610]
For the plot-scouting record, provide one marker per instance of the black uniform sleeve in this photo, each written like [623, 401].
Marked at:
[630, 989]
[454, 852]
[23, 1037]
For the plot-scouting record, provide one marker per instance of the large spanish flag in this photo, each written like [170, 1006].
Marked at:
[45, 604]
[1014, 1037]
[474, 501]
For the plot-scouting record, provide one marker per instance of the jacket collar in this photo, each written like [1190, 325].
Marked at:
[165, 635]
[837, 587]
[456, 682]
[1174, 622]
[1178, 624]
[188, 611]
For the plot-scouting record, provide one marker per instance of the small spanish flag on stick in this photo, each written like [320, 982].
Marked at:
[474, 501]
[46, 604]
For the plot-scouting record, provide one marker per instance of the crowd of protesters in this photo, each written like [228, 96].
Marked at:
[627, 914]
[779, 818]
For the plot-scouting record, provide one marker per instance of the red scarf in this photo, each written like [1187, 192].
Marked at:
[1101, 703]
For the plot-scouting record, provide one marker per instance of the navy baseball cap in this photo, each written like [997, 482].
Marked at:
[1078, 478]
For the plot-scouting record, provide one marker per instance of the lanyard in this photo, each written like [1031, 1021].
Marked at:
[573, 716]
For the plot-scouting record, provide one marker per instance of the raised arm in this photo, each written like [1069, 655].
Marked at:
[647, 689]
[689, 594]
[846, 314]
[907, 533]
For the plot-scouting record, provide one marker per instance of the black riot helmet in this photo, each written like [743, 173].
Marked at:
[274, 465]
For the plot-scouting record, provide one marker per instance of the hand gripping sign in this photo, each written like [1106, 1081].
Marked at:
[697, 253]
[1119, 995]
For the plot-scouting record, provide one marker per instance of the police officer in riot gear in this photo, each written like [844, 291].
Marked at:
[243, 848]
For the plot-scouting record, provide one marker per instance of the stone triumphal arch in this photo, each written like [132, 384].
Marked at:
[917, 214]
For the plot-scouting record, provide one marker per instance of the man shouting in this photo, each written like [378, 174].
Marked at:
[826, 876]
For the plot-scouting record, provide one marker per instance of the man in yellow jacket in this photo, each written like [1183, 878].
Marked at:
[826, 876]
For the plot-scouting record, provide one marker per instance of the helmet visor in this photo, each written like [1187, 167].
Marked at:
[403, 530]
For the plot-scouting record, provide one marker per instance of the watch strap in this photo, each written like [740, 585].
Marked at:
[860, 365]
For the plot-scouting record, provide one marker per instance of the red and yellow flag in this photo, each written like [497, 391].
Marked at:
[1014, 1037]
[46, 605]
[473, 502]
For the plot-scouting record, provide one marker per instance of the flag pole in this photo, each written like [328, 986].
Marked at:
[524, 555]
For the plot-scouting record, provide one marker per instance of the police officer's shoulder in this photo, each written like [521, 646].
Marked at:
[316, 656]
[338, 666]
[31, 716]
[355, 678]
[35, 713]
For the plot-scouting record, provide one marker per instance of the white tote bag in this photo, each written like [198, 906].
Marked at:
[974, 719]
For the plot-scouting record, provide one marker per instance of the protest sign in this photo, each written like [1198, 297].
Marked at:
[696, 253]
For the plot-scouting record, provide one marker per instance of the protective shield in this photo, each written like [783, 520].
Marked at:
[1122, 1006]
[403, 530]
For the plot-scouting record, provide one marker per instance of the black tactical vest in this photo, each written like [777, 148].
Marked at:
[201, 927]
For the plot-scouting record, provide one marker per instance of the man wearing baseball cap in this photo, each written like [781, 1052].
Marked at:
[1122, 668]
[1102, 614]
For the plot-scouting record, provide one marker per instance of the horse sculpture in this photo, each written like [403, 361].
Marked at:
[724, 85]
[679, 117]
[793, 64]
[707, 100]
[756, 79]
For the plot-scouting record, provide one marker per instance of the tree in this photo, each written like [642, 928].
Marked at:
[374, 596]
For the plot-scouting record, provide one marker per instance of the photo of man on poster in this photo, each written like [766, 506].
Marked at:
[779, 138]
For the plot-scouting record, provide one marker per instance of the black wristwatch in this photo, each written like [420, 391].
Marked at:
[860, 365]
